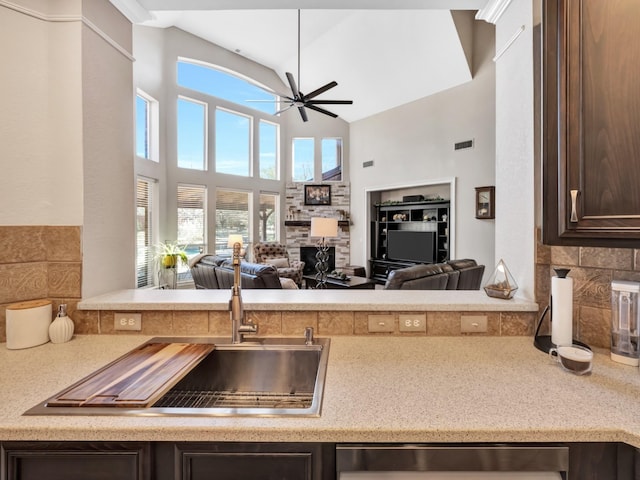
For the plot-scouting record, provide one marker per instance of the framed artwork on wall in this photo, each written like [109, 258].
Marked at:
[485, 202]
[317, 194]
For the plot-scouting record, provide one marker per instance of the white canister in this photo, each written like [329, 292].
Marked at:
[28, 323]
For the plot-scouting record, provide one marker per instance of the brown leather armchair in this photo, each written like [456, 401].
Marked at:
[276, 254]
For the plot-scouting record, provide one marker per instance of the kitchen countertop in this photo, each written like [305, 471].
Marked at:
[301, 300]
[378, 389]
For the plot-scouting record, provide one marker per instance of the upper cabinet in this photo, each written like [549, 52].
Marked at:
[591, 132]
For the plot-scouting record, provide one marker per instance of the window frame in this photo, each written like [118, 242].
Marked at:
[152, 231]
[152, 124]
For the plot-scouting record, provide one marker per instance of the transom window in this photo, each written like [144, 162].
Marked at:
[233, 143]
[192, 134]
[222, 84]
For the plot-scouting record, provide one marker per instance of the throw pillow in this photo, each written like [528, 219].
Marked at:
[278, 262]
[288, 283]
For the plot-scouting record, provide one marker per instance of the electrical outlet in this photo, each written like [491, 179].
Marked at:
[382, 323]
[127, 321]
[473, 323]
[413, 322]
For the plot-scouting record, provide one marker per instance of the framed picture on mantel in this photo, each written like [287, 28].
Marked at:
[317, 194]
[485, 202]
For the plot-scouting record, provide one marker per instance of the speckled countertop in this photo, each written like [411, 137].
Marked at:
[378, 389]
[300, 300]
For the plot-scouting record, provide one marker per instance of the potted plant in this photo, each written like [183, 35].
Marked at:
[168, 254]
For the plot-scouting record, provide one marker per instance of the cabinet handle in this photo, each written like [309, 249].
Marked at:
[574, 201]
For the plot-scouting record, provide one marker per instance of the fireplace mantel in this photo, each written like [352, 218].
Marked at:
[307, 223]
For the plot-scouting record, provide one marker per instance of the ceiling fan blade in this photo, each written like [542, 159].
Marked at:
[283, 110]
[329, 102]
[303, 114]
[321, 110]
[320, 90]
[292, 84]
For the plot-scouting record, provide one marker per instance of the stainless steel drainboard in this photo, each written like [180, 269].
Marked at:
[231, 399]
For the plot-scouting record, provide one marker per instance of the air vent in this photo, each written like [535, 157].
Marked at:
[368, 163]
[463, 145]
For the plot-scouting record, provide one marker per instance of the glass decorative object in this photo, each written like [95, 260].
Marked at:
[501, 284]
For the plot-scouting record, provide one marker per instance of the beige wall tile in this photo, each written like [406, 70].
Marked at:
[630, 276]
[443, 323]
[543, 283]
[23, 281]
[3, 323]
[63, 243]
[594, 326]
[106, 320]
[612, 258]
[591, 287]
[565, 255]
[20, 244]
[157, 323]
[190, 323]
[294, 323]
[636, 263]
[269, 323]
[220, 323]
[65, 279]
[87, 322]
[543, 254]
[335, 323]
[517, 324]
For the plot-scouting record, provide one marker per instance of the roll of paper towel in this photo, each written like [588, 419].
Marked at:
[562, 309]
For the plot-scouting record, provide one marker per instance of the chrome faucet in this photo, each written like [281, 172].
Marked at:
[238, 326]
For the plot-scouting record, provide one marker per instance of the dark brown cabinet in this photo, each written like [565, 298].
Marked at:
[75, 461]
[591, 153]
[232, 461]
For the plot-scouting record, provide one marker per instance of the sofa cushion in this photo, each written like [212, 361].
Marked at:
[417, 277]
[278, 262]
[470, 273]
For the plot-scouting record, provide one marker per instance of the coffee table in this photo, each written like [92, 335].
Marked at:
[352, 282]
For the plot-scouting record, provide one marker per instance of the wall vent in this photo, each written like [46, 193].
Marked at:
[462, 145]
[368, 163]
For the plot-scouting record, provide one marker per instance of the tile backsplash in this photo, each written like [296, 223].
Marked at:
[39, 262]
[592, 270]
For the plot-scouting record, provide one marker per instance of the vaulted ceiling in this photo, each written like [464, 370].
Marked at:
[381, 56]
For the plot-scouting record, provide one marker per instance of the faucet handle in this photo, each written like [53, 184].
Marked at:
[308, 336]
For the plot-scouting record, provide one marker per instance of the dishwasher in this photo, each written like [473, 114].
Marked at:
[451, 462]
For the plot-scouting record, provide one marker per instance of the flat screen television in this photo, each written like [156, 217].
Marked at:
[410, 245]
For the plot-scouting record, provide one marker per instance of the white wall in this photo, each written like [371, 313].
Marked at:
[413, 144]
[108, 233]
[515, 237]
[40, 119]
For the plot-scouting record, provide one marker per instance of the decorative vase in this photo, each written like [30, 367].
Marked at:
[61, 329]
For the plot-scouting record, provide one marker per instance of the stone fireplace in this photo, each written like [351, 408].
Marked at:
[297, 228]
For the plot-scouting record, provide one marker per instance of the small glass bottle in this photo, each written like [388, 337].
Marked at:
[61, 329]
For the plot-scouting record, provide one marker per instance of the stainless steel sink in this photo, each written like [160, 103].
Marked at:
[269, 377]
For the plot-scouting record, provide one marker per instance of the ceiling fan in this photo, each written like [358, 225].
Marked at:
[301, 100]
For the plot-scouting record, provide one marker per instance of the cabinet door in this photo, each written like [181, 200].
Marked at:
[592, 123]
[75, 461]
[248, 461]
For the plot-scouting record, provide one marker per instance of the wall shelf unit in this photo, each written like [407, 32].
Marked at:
[422, 216]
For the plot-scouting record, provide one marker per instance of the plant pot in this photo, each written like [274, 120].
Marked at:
[169, 261]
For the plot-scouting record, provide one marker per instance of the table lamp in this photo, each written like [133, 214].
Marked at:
[323, 228]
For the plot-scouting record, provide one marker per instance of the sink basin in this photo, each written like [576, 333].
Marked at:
[262, 377]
